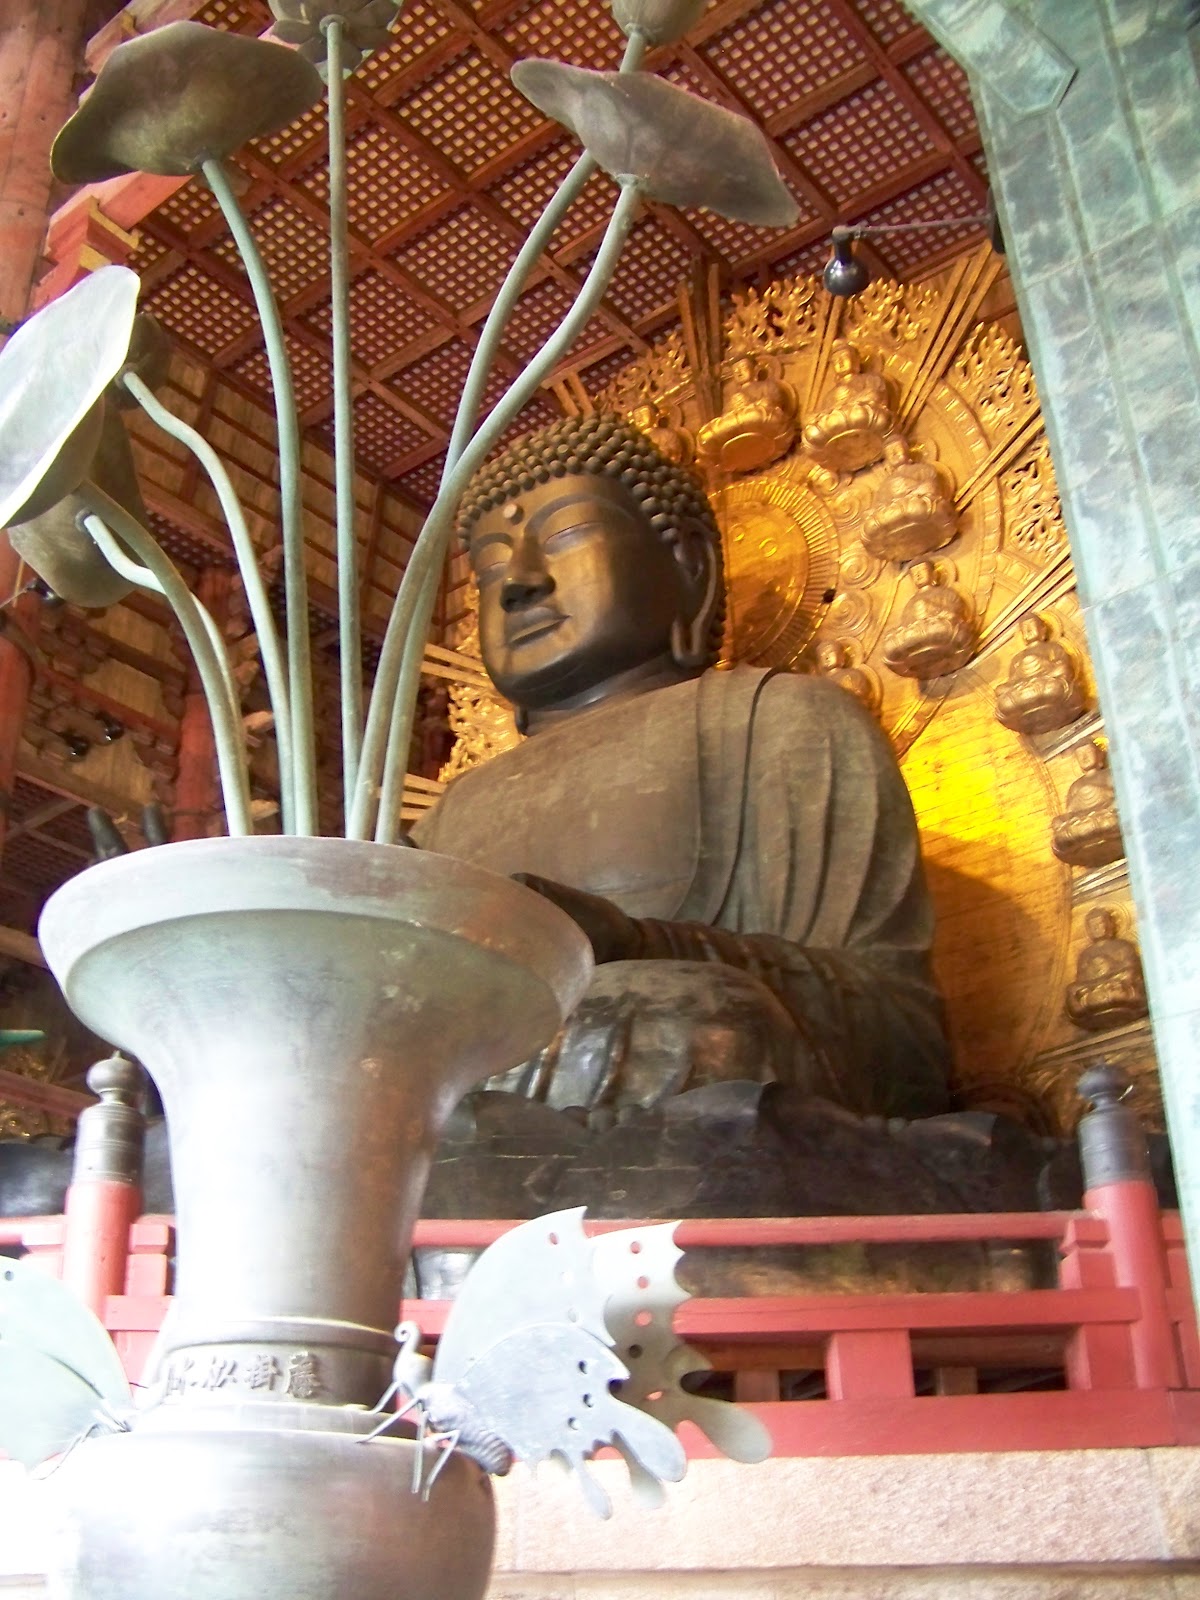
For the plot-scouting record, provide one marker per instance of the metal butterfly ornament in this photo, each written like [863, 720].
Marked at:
[60, 1376]
[558, 1345]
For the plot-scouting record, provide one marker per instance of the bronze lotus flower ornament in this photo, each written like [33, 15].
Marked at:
[659, 21]
[185, 94]
[682, 150]
[365, 27]
[58, 427]
[53, 374]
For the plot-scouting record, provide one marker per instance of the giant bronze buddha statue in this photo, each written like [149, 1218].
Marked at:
[738, 845]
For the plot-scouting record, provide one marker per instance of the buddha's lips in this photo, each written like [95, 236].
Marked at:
[531, 625]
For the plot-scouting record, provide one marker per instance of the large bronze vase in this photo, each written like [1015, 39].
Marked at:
[311, 1010]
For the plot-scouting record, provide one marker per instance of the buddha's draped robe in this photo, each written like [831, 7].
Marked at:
[764, 806]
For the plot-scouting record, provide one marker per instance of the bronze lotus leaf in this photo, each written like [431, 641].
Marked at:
[661, 21]
[53, 374]
[182, 95]
[685, 151]
[365, 27]
[55, 544]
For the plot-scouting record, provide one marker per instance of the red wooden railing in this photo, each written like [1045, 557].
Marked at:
[1117, 1335]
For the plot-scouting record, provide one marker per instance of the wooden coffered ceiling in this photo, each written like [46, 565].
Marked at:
[448, 167]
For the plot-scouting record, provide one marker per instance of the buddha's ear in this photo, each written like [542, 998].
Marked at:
[690, 633]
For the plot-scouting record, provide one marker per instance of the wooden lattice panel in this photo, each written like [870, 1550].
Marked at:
[783, 51]
[383, 318]
[387, 184]
[463, 256]
[585, 37]
[942, 84]
[200, 310]
[944, 196]
[438, 377]
[843, 148]
[421, 483]
[308, 132]
[887, 19]
[470, 112]
[381, 435]
[295, 251]
[425, 30]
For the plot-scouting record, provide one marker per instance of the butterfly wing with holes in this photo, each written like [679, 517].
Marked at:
[636, 1269]
[546, 1390]
[526, 1346]
[60, 1374]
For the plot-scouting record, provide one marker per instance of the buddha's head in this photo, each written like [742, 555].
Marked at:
[844, 359]
[1100, 924]
[1034, 629]
[1090, 756]
[923, 574]
[829, 655]
[598, 563]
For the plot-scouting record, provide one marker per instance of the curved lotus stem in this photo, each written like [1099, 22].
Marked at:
[527, 258]
[106, 517]
[404, 687]
[410, 616]
[145, 579]
[256, 591]
[349, 639]
[304, 769]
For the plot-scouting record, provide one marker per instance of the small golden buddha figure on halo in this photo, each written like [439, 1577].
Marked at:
[851, 428]
[831, 658]
[1109, 989]
[1043, 690]
[911, 513]
[1088, 833]
[756, 427]
[676, 444]
[935, 634]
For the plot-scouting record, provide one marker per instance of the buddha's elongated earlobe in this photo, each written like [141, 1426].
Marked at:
[691, 645]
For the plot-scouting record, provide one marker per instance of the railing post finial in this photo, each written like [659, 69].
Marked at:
[1112, 1142]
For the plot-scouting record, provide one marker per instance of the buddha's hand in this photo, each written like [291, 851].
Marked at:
[613, 935]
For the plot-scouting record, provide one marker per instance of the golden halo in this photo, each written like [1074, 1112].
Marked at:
[777, 582]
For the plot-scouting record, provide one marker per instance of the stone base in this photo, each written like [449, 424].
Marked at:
[1065, 1525]
[863, 1583]
[1049, 1525]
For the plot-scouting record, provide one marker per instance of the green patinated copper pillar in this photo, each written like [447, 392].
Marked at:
[1088, 110]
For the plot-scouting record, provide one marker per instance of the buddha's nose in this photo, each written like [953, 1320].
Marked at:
[525, 580]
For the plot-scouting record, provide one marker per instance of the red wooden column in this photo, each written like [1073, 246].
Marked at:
[41, 49]
[196, 783]
[41, 46]
[18, 632]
